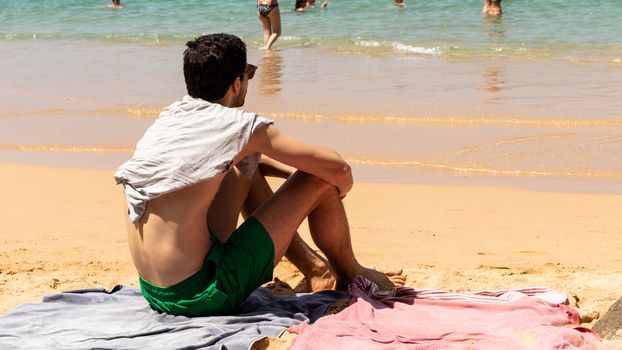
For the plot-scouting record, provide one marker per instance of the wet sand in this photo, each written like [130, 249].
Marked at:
[540, 122]
[63, 229]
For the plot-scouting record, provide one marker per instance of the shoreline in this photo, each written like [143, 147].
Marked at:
[400, 119]
[369, 173]
[63, 229]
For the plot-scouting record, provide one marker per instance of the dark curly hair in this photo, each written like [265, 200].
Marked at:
[211, 64]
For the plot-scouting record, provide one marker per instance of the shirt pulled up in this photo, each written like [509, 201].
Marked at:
[191, 141]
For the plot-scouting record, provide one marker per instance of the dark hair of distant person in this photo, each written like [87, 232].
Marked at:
[211, 64]
[300, 5]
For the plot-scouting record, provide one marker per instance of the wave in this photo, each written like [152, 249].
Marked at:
[581, 54]
[367, 43]
[66, 148]
[399, 47]
[44, 112]
[130, 112]
[138, 112]
[154, 112]
[377, 162]
[453, 121]
[482, 170]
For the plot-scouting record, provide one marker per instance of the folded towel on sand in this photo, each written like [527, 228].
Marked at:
[407, 318]
[122, 319]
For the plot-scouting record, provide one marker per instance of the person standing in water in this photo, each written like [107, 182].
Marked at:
[117, 4]
[270, 19]
[302, 5]
[492, 7]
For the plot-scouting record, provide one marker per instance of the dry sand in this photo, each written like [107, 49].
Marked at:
[63, 229]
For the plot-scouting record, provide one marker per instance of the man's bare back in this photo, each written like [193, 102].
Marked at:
[171, 240]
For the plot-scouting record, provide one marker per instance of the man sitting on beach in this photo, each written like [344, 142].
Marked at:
[196, 169]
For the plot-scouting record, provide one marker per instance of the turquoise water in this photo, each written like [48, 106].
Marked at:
[454, 28]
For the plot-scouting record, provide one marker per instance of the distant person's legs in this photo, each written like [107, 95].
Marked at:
[267, 29]
[495, 8]
[270, 18]
[311, 3]
[492, 7]
[275, 23]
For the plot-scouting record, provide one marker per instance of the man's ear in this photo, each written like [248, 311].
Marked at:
[236, 85]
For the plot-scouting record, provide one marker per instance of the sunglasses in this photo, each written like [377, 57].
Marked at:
[250, 71]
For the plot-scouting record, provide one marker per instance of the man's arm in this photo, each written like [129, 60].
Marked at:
[273, 168]
[319, 161]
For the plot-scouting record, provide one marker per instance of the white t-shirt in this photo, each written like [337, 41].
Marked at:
[191, 141]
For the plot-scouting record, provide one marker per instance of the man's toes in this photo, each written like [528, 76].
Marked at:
[400, 277]
[398, 282]
[397, 278]
[397, 272]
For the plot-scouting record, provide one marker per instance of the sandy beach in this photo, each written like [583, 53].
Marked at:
[486, 150]
[63, 229]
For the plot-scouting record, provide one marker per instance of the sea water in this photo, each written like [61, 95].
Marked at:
[434, 92]
[449, 28]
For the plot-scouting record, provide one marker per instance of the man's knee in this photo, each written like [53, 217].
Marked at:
[320, 186]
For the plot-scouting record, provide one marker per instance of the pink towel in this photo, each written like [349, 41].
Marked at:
[529, 318]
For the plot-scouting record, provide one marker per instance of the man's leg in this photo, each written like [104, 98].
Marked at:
[304, 195]
[314, 267]
[238, 194]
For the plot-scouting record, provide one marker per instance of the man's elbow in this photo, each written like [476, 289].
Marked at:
[346, 180]
[347, 171]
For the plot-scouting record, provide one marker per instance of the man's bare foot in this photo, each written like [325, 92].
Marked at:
[384, 280]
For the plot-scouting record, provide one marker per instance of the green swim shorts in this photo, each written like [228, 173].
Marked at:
[230, 273]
